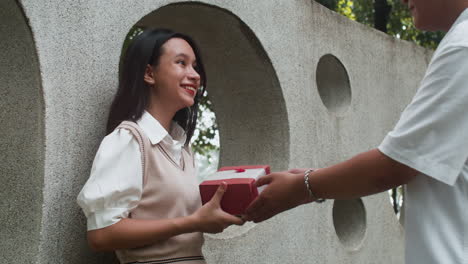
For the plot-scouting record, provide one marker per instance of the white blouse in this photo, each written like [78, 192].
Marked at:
[115, 184]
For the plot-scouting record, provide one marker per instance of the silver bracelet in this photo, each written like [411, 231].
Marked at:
[312, 196]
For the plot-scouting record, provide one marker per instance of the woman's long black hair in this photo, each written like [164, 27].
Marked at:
[133, 93]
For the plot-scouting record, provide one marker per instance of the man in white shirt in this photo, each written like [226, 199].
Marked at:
[427, 149]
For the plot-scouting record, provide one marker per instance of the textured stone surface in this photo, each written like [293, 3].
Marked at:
[21, 138]
[261, 58]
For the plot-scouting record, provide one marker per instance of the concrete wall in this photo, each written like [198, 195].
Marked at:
[293, 85]
[21, 138]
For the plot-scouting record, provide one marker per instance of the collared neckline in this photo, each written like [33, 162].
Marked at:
[157, 133]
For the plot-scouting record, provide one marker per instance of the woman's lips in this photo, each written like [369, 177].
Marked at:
[191, 90]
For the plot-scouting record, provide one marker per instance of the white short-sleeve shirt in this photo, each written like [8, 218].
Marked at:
[432, 137]
[116, 181]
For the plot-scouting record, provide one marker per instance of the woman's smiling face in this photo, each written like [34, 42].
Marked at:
[175, 79]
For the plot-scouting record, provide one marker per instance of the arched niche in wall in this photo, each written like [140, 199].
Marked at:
[21, 138]
[242, 83]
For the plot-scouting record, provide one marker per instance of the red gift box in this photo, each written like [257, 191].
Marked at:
[241, 189]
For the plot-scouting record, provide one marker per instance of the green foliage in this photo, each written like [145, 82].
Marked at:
[206, 138]
[134, 31]
[400, 23]
[330, 4]
[346, 8]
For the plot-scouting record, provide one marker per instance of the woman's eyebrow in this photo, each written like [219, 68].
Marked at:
[184, 55]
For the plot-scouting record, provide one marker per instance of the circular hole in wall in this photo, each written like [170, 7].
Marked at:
[349, 219]
[333, 84]
[239, 72]
[205, 140]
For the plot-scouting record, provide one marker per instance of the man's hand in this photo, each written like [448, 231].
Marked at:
[284, 191]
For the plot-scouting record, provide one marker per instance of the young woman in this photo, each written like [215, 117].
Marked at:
[142, 197]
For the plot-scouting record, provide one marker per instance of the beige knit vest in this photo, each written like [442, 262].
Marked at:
[170, 189]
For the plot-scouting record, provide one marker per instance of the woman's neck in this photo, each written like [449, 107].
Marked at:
[162, 115]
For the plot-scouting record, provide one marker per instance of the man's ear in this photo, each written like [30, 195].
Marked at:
[149, 75]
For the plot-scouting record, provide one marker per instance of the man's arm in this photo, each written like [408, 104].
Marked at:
[364, 174]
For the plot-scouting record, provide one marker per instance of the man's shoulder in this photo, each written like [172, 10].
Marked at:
[458, 36]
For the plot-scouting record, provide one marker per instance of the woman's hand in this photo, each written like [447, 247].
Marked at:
[210, 218]
[131, 233]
